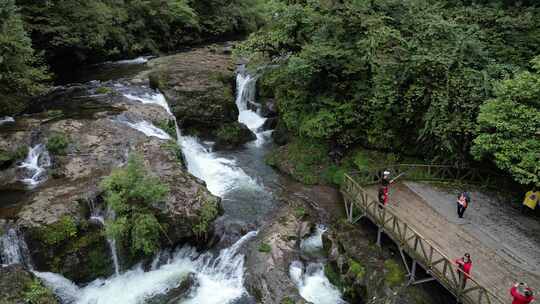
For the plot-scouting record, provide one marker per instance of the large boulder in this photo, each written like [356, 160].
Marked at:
[86, 148]
[199, 86]
[270, 255]
[18, 286]
[233, 135]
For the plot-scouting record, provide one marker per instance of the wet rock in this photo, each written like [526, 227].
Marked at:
[233, 135]
[199, 86]
[175, 295]
[269, 124]
[18, 286]
[269, 258]
[281, 134]
[56, 217]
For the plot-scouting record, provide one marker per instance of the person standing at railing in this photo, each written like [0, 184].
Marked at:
[521, 294]
[383, 188]
[462, 203]
[465, 266]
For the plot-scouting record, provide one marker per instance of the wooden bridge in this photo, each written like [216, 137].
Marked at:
[360, 201]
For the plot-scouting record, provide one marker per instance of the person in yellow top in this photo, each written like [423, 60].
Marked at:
[531, 199]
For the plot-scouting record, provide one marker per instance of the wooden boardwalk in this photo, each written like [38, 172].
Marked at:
[433, 242]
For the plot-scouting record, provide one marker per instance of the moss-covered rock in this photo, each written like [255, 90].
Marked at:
[232, 135]
[18, 286]
[63, 246]
[199, 86]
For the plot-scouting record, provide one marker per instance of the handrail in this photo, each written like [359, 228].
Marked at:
[434, 172]
[415, 244]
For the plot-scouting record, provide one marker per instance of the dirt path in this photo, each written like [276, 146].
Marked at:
[503, 251]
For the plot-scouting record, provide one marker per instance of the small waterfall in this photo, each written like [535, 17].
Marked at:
[97, 215]
[219, 279]
[138, 60]
[6, 120]
[313, 285]
[314, 242]
[148, 129]
[35, 164]
[13, 248]
[220, 174]
[246, 94]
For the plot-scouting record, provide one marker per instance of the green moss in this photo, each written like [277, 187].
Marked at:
[333, 276]
[60, 231]
[35, 293]
[52, 114]
[57, 143]
[357, 269]
[287, 300]
[208, 212]
[8, 157]
[168, 126]
[299, 212]
[173, 147]
[104, 90]
[158, 79]
[263, 247]
[394, 273]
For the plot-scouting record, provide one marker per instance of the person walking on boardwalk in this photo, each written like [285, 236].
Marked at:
[531, 200]
[465, 267]
[462, 203]
[521, 294]
[383, 188]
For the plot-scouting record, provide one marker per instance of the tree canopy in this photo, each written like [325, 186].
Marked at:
[406, 76]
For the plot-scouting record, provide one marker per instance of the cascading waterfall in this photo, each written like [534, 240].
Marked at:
[148, 129]
[245, 95]
[312, 283]
[220, 174]
[35, 164]
[218, 279]
[6, 120]
[97, 215]
[13, 248]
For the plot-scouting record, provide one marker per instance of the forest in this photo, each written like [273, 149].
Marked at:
[454, 82]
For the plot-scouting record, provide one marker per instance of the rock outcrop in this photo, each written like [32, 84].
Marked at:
[18, 286]
[199, 86]
[89, 142]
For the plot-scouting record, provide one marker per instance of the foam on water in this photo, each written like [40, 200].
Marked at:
[35, 165]
[220, 280]
[314, 242]
[220, 174]
[246, 94]
[313, 285]
[6, 119]
[148, 129]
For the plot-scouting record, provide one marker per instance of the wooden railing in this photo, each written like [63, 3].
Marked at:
[358, 203]
[481, 177]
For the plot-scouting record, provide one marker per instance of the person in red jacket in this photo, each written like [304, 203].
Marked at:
[521, 293]
[465, 267]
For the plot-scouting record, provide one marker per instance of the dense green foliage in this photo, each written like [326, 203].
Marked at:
[509, 127]
[36, 293]
[66, 33]
[57, 143]
[20, 70]
[402, 76]
[132, 193]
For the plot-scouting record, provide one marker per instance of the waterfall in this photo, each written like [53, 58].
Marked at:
[313, 285]
[13, 248]
[218, 279]
[6, 119]
[138, 60]
[245, 95]
[148, 129]
[220, 174]
[314, 242]
[35, 164]
[97, 215]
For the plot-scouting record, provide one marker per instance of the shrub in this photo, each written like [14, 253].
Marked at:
[57, 143]
[357, 269]
[36, 293]
[208, 212]
[132, 193]
[168, 126]
[60, 231]
[394, 273]
[263, 247]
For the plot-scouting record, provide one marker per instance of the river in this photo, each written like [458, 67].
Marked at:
[239, 177]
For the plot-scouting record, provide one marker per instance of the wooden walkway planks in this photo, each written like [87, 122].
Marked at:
[434, 240]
